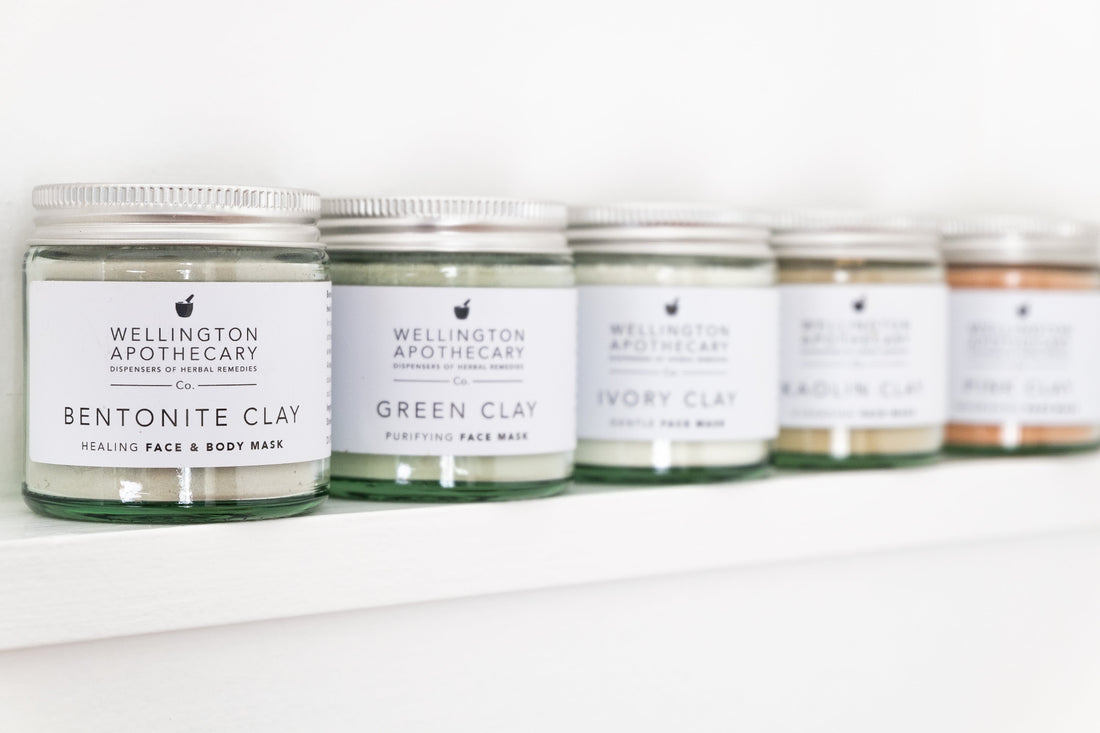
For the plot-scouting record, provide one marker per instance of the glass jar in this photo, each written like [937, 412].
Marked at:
[862, 344]
[177, 353]
[1025, 357]
[454, 368]
[678, 343]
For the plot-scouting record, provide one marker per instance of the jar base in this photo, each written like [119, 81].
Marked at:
[431, 491]
[648, 476]
[824, 462]
[164, 512]
[1020, 450]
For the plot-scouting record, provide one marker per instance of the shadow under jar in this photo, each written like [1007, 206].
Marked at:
[454, 372]
[862, 346]
[678, 343]
[177, 366]
[1025, 357]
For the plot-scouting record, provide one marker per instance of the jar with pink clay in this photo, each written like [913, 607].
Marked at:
[1025, 357]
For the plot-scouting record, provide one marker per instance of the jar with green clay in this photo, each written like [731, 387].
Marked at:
[678, 343]
[863, 343]
[454, 372]
[177, 353]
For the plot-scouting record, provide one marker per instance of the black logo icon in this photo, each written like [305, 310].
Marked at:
[461, 311]
[672, 308]
[1022, 310]
[859, 304]
[184, 307]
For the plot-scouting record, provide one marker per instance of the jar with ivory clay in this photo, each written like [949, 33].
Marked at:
[678, 343]
[1024, 339]
[862, 344]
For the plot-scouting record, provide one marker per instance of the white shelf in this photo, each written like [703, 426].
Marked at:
[72, 581]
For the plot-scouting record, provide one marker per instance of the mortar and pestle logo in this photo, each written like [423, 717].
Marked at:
[673, 308]
[184, 307]
[1022, 310]
[859, 304]
[462, 311]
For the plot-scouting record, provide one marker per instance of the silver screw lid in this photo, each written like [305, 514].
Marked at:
[693, 229]
[438, 223]
[444, 213]
[163, 213]
[177, 199]
[853, 235]
[1020, 240]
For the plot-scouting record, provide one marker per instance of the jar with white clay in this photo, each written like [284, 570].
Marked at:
[177, 346]
[678, 343]
[454, 370]
[863, 342]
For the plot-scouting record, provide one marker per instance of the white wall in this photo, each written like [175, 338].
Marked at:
[940, 104]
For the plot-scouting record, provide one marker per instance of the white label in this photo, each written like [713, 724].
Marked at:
[685, 364]
[862, 356]
[426, 371]
[170, 375]
[1028, 356]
